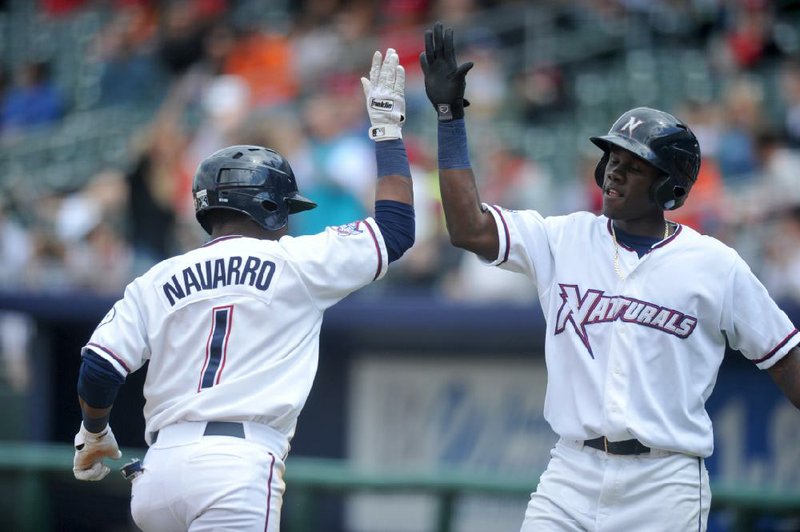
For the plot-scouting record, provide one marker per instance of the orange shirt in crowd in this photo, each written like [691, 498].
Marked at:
[264, 62]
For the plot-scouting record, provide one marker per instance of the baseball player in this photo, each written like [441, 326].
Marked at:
[231, 331]
[638, 311]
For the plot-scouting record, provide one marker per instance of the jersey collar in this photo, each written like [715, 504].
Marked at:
[670, 238]
[220, 239]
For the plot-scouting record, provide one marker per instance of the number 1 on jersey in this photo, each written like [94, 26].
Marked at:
[216, 346]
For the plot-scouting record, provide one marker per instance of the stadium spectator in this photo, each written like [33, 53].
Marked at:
[32, 101]
[263, 60]
[179, 52]
[743, 114]
[781, 267]
[789, 82]
[124, 51]
[184, 25]
[339, 152]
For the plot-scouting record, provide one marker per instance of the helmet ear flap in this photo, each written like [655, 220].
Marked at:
[600, 170]
[668, 194]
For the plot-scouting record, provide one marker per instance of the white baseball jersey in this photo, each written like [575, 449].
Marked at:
[231, 329]
[638, 358]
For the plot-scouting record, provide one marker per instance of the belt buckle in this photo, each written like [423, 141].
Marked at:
[605, 444]
[132, 469]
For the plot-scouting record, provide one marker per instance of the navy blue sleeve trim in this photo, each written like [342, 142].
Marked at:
[396, 222]
[98, 381]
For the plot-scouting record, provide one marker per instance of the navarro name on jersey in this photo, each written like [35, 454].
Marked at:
[218, 273]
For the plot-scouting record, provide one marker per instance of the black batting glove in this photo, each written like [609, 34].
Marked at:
[444, 78]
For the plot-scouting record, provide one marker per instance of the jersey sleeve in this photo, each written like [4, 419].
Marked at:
[524, 243]
[339, 260]
[120, 337]
[753, 322]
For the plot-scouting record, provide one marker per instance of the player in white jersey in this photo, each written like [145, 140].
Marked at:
[638, 312]
[231, 331]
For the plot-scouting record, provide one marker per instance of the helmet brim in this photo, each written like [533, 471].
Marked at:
[606, 142]
[298, 203]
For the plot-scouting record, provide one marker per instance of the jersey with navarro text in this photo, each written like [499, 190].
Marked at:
[231, 329]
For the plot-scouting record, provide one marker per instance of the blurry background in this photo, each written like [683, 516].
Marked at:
[107, 107]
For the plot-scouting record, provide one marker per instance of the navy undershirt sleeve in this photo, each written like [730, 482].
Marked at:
[396, 222]
[98, 381]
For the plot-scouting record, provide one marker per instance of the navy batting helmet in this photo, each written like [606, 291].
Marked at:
[663, 141]
[252, 180]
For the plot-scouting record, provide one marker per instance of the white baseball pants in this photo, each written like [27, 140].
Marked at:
[587, 490]
[203, 483]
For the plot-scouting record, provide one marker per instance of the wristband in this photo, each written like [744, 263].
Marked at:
[391, 158]
[95, 425]
[453, 148]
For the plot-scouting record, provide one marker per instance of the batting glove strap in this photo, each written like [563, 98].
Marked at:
[446, 112]
[387, 132]
[90, 450]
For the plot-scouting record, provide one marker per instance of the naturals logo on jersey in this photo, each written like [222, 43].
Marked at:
[353, 228]
[595, 307]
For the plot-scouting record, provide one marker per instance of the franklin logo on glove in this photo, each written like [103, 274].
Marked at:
[385, 105]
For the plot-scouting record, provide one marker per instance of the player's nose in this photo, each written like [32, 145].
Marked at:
[615, 175]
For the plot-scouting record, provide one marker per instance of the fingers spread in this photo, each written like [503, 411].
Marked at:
[375, 70]
[430, 51]
[400, 79]
[462, 70]
[448, 50]
[438, 30]
[387, 76]
[423, 63]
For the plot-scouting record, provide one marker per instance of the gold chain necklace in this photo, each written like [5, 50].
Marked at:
[617, 267]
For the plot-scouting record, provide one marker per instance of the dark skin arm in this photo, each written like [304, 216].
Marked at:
[469, 226]
[786, 374]
[97, 418]
[396, 188]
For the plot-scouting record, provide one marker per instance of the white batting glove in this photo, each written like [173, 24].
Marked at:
[90, 449]
[385, 93]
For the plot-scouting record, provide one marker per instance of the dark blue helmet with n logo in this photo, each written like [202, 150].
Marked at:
[252, 180]
[663, 141]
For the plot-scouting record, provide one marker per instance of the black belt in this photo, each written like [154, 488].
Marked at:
[216, 428]
[617, 447]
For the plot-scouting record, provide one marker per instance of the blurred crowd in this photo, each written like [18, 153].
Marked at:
[286, 75]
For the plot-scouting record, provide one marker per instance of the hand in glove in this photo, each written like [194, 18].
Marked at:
[385, 94]
[90, 449]
[445, 80]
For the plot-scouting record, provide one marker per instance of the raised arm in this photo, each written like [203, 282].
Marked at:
[786, 374]
[394, 195]
[469, 226]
